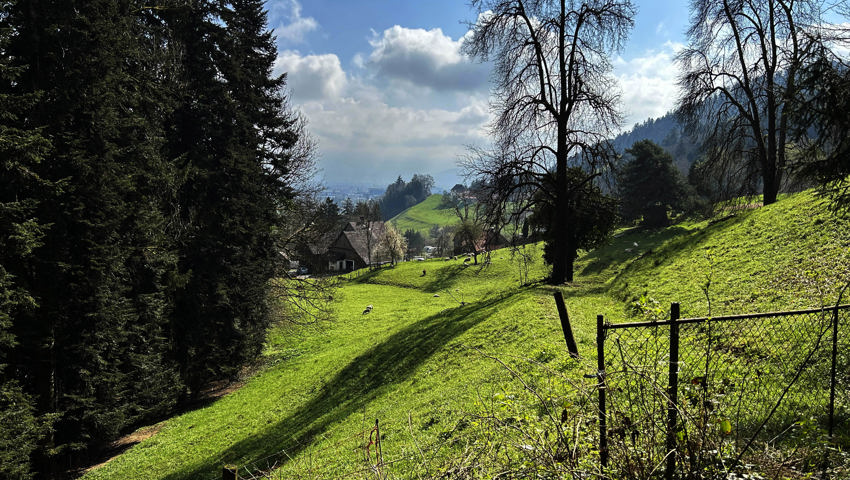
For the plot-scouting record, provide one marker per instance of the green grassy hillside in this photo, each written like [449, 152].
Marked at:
[424, 215]
[464, 367]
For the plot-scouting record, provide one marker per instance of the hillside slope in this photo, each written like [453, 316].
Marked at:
[424, 215]
[449, 347]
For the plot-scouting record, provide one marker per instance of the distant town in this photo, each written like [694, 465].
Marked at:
[338, 192]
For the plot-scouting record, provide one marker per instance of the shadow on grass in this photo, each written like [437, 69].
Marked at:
[447, 277]
[350, 390]
[622, 248]
[443, 278]
[657, 246]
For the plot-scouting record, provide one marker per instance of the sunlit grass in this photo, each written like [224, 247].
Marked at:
[424, 215]
[422, 361]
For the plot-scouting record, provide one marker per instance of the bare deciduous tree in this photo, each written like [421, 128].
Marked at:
[298, 299]
[821, 116]
[469, 232]
[740, 79]
[555, 104]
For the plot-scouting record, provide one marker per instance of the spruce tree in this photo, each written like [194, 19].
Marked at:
[232, 135]
[94, 349]
[132, 260]
[650, 184]
[20, 153]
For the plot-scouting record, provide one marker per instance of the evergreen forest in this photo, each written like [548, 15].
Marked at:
[147, 156]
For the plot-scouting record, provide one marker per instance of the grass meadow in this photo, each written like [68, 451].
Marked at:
[465, 366]
[424, 215]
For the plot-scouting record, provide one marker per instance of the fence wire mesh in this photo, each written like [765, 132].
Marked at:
[741, 380]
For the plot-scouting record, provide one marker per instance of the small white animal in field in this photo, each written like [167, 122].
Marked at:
[466, 260]
[368, 309]
[635, 244]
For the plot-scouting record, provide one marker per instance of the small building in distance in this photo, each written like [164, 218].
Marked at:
[352, 247]
[488, 241]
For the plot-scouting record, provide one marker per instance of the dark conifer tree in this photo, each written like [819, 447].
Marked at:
[131, 260]
[21, 151]
[94, 348]
[233, 134]
[650, 184]
[348, 208]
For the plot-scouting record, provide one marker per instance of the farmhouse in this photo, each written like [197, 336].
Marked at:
[314, 254]
[356, 246]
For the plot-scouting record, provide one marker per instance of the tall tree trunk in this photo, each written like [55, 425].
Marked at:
[570, 261]
[771, 183]
[561, 269]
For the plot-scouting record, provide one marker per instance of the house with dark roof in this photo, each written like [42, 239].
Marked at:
[356, 246]
[313, 254]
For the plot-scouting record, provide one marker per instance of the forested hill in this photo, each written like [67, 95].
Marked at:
[667, 132]
[401, 195]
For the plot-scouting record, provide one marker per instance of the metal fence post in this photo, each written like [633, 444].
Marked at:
[832, 372]
[379, 455]
[565, 324]
[672, 392]
[600, 373]
[230, 472]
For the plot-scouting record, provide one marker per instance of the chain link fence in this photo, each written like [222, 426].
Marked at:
[691, 397]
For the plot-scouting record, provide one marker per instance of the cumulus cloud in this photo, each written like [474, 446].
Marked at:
[370, 139]
[312, 77]
[649, 83]
[297, 26]
[425, 57]
[409, 104]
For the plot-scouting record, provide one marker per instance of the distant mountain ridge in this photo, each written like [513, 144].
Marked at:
[668, 133]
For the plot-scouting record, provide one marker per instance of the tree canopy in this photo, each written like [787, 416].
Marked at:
[401, 195]
[741, 74]
[649, 184]
[555, 105]
[148, 158]
[823, 125]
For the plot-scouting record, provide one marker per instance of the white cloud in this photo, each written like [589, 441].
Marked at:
[648, 83]
[840, 43]
[426, 58]
[368, 139]
[312, 77]
[411, 105]
[297, 26]
[373, 133]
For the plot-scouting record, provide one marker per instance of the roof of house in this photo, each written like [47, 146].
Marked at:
[320, 245]
[356, 236]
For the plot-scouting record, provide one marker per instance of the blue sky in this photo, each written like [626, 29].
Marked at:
[387, 93]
